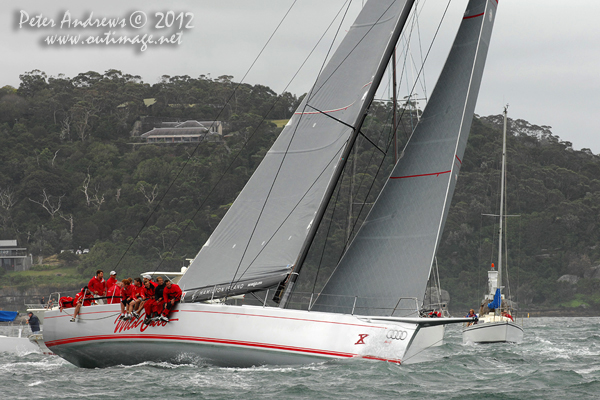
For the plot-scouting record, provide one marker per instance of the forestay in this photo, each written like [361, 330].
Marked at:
[391, 256]
[260, 236]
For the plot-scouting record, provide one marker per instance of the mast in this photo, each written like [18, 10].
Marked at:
[390, 257]
[503, 174]
[362, 115]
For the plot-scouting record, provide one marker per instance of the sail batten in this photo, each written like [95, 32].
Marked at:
[392, 254]
[268, 223]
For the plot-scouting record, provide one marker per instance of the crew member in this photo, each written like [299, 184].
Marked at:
[137, 297]
[34, 322]
[96, 285]
[172, 296]
[471, 314]
[110, 282]
[148, 304]
[507, 315]
[65, 302]
[85, 298]
[127, 296]
[158, 306]
[114, 294]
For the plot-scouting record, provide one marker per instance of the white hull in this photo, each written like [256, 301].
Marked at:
[224, 335]
[431, 336]
[425, 338]
[493, 332]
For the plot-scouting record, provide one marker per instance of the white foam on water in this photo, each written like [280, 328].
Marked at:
[163, 364]
[47, 364]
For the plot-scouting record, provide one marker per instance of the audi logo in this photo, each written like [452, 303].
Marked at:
[397, 335]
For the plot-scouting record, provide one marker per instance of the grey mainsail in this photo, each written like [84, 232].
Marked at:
[260, 237]
[391, 256]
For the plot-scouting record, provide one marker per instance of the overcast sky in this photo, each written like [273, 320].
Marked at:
[544, 58]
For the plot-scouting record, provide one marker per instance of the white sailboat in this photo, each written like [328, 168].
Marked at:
[495, 323]
[369, 306]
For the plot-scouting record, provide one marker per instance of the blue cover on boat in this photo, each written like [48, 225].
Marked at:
[7, 316]
[497, 301]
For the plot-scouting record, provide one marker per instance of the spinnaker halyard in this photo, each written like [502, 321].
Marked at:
[271, 223]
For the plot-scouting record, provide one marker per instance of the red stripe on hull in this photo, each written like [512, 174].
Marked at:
[240, 314]
[267, 346]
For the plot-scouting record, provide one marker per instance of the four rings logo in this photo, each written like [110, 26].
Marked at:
[394, 334]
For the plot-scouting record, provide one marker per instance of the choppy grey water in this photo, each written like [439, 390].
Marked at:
[559, 359]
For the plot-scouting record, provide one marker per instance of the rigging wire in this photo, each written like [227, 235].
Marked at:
[226, 171]
[331, 187]
[364, 176]
[410, 93]
[351, 51]
[427, 56]
[198, 145]
[335, 203]
[307, 99]
[424, 86]
[267, 197]
[390, 137]
[389, 141]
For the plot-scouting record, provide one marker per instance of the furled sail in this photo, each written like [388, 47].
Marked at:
[497, 302]
[261, 235]
[391, 256]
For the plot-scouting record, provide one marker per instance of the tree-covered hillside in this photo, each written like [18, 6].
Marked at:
[74, 174]
[553, 192]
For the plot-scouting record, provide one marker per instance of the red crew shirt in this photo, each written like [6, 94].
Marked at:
[128, 292]
[148, 293]
[114, 294]
[97, 286]
[174, 292]
[112, 281]
[80, 295]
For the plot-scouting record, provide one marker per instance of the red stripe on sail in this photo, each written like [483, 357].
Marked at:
[416, 176]
[334, 110]
[325, 112]
[474, 16]
[459, 160]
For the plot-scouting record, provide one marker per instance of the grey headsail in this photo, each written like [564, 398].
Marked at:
[391, 256]
[261, 235]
